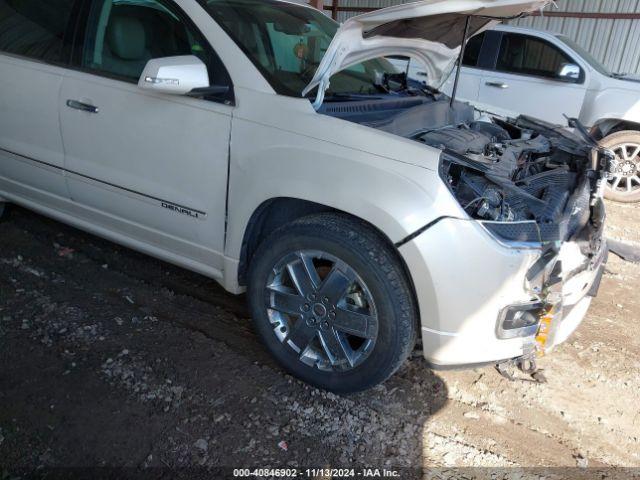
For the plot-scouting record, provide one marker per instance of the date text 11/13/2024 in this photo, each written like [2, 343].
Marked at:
[317, 472]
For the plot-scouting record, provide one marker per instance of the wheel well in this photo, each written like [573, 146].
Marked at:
[277, 212]
[268, 217]
[606, 127]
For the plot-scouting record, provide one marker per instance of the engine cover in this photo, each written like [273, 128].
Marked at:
[459, 140]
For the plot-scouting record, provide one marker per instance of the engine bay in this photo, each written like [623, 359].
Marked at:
[531, 184]
[500, 178]
[526, 180]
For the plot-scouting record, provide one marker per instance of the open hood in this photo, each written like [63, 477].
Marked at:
[429, 31]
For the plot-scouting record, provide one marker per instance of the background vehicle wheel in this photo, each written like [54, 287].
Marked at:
[624, 186]
[331, 302]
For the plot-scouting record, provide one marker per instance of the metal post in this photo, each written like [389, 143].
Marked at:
[462, 47]
[319, 4]
[334, 9]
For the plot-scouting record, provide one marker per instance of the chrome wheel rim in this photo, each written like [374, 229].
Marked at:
[625, 179]
[322, 310]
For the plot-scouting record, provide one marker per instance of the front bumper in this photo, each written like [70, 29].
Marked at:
[464, 278]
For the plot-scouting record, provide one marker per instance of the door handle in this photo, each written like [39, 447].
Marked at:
[497, 85]
[84, 107]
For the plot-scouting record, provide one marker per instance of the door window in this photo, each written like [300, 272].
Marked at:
[123, 35]
[472, 51]
[35, 28]
[526, 55]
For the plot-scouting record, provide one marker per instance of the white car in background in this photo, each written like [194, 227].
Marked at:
[257, 143]
[514, 71]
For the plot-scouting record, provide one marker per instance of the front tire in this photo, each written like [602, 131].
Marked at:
[331, 301]
[624, 186]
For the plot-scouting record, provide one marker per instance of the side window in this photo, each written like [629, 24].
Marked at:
[35, 28]
[472, 50]
[123, 35]
[523, 54]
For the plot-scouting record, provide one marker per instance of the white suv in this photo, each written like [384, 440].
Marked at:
[511, 70]
[256, 143]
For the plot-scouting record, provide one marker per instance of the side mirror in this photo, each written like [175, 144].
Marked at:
[569, 72]
[174, 75]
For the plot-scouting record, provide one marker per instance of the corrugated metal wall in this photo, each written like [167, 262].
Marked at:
[615, 42]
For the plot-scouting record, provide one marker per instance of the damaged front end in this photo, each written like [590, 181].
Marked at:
[533, 191]
[533, 185]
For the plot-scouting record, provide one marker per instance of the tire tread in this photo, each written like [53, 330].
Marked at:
[364, 238]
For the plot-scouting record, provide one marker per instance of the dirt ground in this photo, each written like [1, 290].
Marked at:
[109, 358]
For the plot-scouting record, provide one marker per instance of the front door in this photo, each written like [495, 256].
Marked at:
[150, 166]
[525, 81]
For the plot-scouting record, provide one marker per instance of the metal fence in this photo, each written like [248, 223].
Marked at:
[609, 29]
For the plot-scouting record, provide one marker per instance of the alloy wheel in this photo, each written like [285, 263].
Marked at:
[626, 177]
[322, 310]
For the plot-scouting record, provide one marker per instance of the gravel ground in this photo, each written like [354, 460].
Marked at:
[109, 358]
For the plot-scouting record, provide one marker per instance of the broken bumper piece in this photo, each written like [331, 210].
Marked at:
[574, 280]
[484, 301]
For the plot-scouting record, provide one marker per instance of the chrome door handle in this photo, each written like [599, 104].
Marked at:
[85, 107]
[497, 85]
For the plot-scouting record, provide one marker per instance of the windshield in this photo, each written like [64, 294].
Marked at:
[590, 59]
[286, 43]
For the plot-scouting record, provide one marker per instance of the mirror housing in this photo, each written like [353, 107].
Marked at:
[174, 75]
[569, 72]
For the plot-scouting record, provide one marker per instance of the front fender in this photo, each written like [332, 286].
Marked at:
[611, 103]
[270, 162]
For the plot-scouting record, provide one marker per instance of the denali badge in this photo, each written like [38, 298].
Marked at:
[182, 210]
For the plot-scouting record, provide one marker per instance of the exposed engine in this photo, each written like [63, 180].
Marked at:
[505, 172]
[529, 181]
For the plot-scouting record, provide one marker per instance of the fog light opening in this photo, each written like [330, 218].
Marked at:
[520, 320]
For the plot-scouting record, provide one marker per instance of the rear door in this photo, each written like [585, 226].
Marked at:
[34, 49]
[149, 166]
[525, 80]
